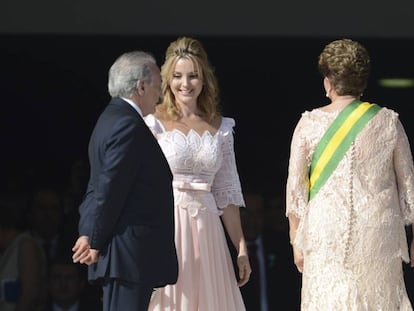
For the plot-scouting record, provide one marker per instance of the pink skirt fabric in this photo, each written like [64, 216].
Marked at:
[206, 280]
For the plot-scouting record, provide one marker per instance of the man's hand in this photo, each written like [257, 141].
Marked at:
[83, 253]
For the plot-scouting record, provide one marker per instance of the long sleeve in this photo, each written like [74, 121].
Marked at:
[226, 186]
[404, 170]
[297, 187]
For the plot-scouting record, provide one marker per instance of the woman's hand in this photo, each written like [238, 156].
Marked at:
[298, 258]
[244, 269]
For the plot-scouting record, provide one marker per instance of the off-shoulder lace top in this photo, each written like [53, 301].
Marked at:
[207, 160]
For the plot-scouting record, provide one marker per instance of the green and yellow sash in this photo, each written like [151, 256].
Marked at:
[337, 140]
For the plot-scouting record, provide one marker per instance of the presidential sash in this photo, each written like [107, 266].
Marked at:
[337, 140]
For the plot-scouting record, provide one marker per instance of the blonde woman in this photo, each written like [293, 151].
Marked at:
[198, 144]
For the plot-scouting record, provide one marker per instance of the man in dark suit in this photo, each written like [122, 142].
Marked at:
[126, 222]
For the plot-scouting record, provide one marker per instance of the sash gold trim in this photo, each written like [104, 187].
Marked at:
[337, 140]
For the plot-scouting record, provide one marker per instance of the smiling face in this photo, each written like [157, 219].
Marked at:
[186, 83]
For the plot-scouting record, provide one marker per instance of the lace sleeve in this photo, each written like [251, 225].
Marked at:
[404, 170]
[297, 186]
[226, 186]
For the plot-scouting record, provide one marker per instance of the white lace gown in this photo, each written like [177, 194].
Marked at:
[205, 181]
[352, 232]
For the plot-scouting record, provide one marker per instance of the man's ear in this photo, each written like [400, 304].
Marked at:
[140, 87]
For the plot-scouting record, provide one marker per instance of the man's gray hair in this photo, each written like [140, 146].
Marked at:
[127, 70]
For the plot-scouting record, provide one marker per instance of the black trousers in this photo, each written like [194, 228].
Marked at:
[119, 295]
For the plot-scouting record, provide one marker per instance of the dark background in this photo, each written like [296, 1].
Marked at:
[54, 58]
[55, 55]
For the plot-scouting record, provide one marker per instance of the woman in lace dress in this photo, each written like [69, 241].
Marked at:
[348, 236]
[198, 144]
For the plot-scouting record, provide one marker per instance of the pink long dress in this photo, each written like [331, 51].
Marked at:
[205, 181]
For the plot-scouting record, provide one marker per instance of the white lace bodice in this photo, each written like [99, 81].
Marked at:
[205, 159]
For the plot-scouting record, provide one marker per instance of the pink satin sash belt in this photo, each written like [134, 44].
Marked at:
[184, 185]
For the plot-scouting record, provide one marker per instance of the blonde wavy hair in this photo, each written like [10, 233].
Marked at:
[208, 100]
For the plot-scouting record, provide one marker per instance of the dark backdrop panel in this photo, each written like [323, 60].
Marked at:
[54, 87]
[315, 18]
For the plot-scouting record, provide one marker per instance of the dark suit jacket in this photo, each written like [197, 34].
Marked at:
[128, 210]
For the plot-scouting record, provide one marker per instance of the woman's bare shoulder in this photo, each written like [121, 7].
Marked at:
[216, 122]
[161, 113]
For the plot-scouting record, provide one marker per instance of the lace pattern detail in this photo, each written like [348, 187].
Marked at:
[353, 229]
[205, 158]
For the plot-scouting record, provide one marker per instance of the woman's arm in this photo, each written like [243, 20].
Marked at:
[412, 248]
[232, 223]
[297, 255]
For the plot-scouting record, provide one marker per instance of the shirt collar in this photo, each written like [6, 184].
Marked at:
[135, 106]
